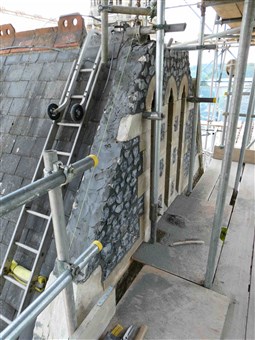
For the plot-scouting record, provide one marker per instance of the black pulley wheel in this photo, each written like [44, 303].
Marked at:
[76, 112]
[51, 111]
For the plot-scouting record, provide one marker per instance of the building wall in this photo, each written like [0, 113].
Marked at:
[112, 203]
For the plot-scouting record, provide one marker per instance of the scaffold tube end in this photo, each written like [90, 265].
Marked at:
[95, 159]
[98, 244]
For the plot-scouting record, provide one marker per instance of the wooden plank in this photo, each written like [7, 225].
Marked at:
[186, 218]
[230, 187]
[228, 11]
[247, 185]
[249, 156]
[206, 184]
[171, 307]
[250, 327]
[247, 191]
[233, 273]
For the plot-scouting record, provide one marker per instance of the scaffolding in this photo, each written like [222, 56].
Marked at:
[232, 112]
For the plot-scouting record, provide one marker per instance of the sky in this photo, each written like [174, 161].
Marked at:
[49, 9]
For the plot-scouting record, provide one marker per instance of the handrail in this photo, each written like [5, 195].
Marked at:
[37, 306]
[36, 189]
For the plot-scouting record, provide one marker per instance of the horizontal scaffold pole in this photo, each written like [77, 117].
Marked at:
[40, 187]
[145, 30]
[194, 48]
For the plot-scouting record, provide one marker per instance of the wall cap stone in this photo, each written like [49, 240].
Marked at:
[130, 127]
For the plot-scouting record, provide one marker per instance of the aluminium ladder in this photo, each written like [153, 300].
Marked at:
[58, 114]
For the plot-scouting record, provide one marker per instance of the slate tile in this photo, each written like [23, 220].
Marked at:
[17, 89]
[31, 71]
[37, 147]
[23, 145]
[6, 143]
[3, 224]
[21, 126]
[4, 88]
[48, 57]
[65, 70]
[8, 232]
[3, 249]
[15, 72]
[29, 58]
[67, 55]
[13, 59]
[10, 183]
[50, 71]
[35, 89]
[5, 104]
[2, 60]
[9, 163]
[37, 108]
[6, 123]
[4, 72]
[26, 167]
[40, 127]
[17, 106]
[54, 89]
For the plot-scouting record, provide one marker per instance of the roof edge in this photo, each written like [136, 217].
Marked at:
[70, 32]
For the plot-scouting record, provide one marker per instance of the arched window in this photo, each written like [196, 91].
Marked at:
[180, 141]
[169, 146]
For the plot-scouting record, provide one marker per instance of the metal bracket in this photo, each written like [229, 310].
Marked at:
[201, 100]
[56, 166]
[107, 8]
[78, 275]
[68, 172]
[171, 27]
[160, 27]
[153, 115]
[103, 298]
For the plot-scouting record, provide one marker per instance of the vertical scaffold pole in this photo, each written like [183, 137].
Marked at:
[245, 38]
[104, 23]
[231, 74]
[248, 121]
[50, 158]
[196, 105]
[156, 125]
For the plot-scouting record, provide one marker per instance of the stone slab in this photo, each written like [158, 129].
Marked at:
[98, 319]
[171, 307]
[186, 219]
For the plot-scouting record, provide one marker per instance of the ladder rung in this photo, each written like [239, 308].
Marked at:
[77, 96]
[5, 319]
[86, 69]
[69, 124]
[62, 153]
[15, 282]
[24, 246]
[36, 213]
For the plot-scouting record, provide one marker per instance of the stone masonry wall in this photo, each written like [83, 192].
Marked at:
[110, 201]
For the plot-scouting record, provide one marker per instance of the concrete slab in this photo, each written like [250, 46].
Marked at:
[171, 307]
[188, 262]
[187, 219]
